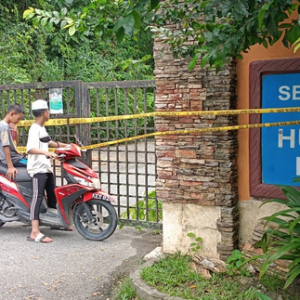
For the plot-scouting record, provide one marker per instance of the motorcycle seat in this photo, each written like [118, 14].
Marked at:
[20, 177]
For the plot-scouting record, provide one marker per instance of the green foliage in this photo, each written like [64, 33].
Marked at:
[236, 264]
[168, 270]
[40, 54]
[221, 29]
[125, 291]
[174, 276]
[31, 53]
[148, 208]
[282, 241]
[225, 29]
[262, 296]
[196, 245]
[100, 18]
[272, 282]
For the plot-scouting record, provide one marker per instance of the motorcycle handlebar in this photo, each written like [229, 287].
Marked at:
[59, 156]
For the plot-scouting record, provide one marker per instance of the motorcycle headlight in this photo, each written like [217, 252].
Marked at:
[82, 181]
[94, 184]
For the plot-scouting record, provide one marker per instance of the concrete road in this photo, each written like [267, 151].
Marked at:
[71, 267]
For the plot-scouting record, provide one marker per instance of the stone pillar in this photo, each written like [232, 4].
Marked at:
[196, 173]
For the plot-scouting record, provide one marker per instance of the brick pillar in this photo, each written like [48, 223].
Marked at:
[197, 173]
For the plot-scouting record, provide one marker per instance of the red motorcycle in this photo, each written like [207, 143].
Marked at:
[80, 202]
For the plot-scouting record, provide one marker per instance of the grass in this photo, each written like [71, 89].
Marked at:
[125, 291]
[172, 275]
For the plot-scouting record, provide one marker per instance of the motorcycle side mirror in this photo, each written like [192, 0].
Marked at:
[45, 139]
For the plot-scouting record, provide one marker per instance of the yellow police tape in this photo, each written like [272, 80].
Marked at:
[187, 131]
[73, 121]
[176, 132]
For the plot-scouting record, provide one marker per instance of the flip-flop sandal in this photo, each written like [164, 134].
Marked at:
[40, 238]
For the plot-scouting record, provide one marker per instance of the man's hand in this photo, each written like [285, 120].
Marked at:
[51, 155]
[10, 174]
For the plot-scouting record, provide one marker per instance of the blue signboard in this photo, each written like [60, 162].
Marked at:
[280, 145]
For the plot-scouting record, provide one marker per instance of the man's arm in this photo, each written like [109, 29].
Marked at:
[11, 169]
[42, 152]
[53, 144]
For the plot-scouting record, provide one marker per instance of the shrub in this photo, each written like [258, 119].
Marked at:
[283, 241]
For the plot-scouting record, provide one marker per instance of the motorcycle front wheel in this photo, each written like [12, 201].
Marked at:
[104, 219]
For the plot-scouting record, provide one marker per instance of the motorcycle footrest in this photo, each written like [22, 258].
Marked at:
[9, 219]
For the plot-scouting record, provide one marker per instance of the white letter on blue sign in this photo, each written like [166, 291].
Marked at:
[285, 91]
[296, 92]
[298, 166]
[291, 138]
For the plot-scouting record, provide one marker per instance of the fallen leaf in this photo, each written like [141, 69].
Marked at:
[29, 297]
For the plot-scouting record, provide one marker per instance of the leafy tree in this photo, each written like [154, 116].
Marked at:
[224, 29]
[220, 29]
[31, 53]
[100, 18]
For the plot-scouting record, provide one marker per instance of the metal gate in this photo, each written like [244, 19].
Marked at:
[127, 170]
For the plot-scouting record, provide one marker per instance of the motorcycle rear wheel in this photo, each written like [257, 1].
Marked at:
[104, 221]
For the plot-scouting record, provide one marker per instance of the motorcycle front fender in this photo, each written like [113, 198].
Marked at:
[98, 194]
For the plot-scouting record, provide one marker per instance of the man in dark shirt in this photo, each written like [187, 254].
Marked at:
[8, 152]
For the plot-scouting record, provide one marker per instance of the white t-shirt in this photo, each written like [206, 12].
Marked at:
[37, 163]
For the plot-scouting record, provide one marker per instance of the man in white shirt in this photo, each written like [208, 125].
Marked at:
[39, 168]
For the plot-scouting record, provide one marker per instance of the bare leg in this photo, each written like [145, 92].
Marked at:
[35, 230]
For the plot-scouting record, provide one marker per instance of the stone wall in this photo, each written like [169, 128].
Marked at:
[200, 168]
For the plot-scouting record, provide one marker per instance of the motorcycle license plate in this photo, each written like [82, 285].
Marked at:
[100, 197]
